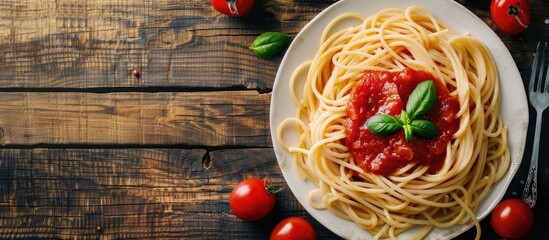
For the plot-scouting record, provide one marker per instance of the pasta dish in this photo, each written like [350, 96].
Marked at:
[399, 123]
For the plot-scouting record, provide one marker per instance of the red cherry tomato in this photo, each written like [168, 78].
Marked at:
[252, 199]
[293, 228]
[512, 218]
[510, 16]
[233, 8]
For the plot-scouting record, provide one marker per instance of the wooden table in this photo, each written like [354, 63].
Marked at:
[86, 144]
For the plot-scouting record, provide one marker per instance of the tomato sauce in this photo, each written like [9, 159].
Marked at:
[386, 92]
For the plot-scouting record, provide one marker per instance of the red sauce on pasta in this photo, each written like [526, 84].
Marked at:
[386, 92]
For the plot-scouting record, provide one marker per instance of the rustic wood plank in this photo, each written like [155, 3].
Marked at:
[88, 44]
[77, 44]
[151, 193]
[135, 193]
[226, 118]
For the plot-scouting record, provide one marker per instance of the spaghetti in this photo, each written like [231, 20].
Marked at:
[388, 204]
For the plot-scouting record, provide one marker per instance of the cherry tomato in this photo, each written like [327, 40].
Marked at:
[293, 228]
[512, 218]
[510, 16]
[233, 8]
[252, 199]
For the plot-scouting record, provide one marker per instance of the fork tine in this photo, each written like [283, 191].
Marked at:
[546, 87]
[534, 68]
[541, 68]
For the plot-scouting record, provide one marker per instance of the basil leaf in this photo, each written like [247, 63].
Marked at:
[384, 124]
[408, 132]
[421, 99]
[269, 44]
[424, 129]
[405, 117]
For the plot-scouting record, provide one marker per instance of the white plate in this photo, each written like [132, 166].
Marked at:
[306, 43]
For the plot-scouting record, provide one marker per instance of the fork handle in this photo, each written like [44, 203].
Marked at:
[530, 188]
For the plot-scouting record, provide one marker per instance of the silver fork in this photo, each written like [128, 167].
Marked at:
[538, 93]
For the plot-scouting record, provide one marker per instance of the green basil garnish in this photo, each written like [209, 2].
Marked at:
[408, 132]
[269, 44]
[405, 117]
[421, 100]
[424, 129]
[384, 124]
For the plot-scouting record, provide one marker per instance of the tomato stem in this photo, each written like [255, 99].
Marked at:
[270, 188]
[232, 6]
[514, 11]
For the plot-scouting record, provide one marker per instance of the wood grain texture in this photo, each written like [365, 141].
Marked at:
[88, 44]
[226, 118]
[135, 193]
[97, 44]
[148, 194]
